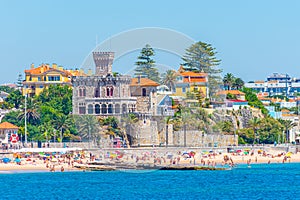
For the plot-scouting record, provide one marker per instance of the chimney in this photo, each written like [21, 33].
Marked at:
[32, 66]
[60, 68]
[139, 79]
[81, 71]
[54, 66]
[90, 72]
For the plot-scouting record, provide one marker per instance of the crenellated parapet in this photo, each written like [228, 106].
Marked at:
[103, 62]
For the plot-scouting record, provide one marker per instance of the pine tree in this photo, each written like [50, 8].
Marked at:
[201, 57]
[20, 82]
[146, 65]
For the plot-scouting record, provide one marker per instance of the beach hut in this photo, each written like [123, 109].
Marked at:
[8, 133]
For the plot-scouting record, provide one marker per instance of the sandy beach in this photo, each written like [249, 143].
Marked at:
[162, 158]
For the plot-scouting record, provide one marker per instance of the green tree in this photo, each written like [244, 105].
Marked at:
[238, 83]
[15, 99]
[169, 79]
[287, 126]
[201, 57]
[146, 65]
[255, 125]
[88, 127]
[228, 80]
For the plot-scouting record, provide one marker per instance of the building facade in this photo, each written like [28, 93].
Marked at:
[276, 84]
[103, 93]
[36, 79]
[188, 81]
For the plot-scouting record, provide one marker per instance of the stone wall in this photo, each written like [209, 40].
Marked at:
[143, 104]
[200, 139]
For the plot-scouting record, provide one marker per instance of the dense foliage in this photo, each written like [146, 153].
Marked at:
[145, 66]
[201, 57]
[48, 115]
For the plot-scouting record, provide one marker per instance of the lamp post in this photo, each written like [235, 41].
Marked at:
[25, 117]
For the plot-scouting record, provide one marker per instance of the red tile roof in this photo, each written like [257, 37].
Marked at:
[143, 82]
[7, 125]
[233, 92]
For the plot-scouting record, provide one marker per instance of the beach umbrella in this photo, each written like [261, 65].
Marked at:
[6, 160]
[17, 160]
[288, 154]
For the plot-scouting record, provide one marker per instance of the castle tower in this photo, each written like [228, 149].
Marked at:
[103, 62]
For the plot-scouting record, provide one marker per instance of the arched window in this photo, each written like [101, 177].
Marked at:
[97, 109]
[82, 92]
[117, 108]
[111, 91]
[107, 91]
[104, 109]
[90, 109]
[82, 108]
[97, 92]
[124, 108]
[110, 108]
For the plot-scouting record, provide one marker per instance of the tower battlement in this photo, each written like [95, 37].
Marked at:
[103, 62]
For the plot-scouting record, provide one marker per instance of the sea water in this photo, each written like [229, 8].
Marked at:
[261, 181]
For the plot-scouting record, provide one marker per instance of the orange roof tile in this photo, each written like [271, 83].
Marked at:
[259, 81]
[38, 70]
[44, 68]
[285, 110]
[193, 74]
[273, 81]
[143, 82]
[234, 92]
[194, 80]
[7, 125]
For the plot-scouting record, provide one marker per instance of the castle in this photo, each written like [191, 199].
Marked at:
[103, 93]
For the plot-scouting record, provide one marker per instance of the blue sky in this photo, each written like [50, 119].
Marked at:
[254, 38]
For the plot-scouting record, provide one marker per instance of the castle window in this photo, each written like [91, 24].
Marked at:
[82, 108]
[124, 108]
[117, 108]
[110, 108]
[109, 91]
[97, 109]
[82, 92]
[39, 78]
[90, 109]
[97, 92]
[104, 109]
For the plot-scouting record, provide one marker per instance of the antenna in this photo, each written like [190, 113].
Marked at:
[110, 43]
[96, 40]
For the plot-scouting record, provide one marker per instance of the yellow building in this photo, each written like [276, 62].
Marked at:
[36, 79]
[188, 81]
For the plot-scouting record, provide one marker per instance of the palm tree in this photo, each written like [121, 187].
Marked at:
[32, 112]
[169, 79]
[238, 83]
[228, 80]
[254, 124]
[62, 123]
[287, 126]
[88, 127]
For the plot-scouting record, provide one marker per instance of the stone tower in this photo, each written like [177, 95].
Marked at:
[103, 62]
